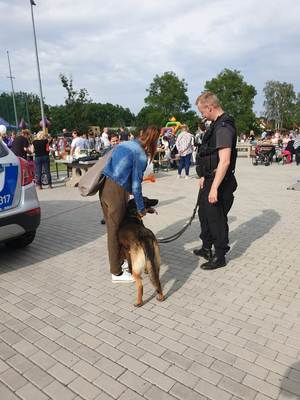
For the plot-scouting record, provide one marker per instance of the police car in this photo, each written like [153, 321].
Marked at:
[20, 211]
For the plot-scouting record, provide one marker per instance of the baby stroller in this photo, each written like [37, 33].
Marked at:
[263, 154]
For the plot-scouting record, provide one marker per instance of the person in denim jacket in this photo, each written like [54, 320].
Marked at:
[124, 174]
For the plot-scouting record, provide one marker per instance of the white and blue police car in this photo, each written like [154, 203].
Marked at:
[20, 211]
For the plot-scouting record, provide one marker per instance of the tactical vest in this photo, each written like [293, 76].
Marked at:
[207, 157]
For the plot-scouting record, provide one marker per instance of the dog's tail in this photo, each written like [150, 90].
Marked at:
[153, 262]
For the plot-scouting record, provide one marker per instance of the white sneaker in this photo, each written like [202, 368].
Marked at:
[187, 177]
[125, 266]
[126, 277]
[178, 176]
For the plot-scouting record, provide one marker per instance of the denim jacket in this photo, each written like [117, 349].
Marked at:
[126, 167]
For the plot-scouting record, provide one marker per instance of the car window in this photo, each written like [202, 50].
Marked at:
[3, 150]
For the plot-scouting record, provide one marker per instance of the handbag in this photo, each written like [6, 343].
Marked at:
[94, 180]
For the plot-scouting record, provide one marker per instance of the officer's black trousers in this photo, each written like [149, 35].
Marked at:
[213, 217]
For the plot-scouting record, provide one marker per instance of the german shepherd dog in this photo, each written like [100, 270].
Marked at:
[140, 248]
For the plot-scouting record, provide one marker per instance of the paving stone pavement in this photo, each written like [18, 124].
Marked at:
[67, 332]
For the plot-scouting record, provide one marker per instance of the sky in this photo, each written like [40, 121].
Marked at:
[115, 48]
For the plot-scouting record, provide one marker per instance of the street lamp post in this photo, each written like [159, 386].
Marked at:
[32, 3]
[13, 90]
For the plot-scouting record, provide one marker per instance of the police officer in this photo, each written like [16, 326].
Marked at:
[215, 164]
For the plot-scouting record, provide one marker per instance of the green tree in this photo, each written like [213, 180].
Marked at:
[28, 107]
[236, 97]
[166, 98]
[95, 114]
[150, 116]
[191, 119]
[279, 103]
[75, 102]
[296, 111]
[109, 115]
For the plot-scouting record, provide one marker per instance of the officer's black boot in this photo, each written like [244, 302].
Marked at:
[203, 252]
[214, 263]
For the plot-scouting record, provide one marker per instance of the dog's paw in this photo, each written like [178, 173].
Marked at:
[151, 210]
[160, 297]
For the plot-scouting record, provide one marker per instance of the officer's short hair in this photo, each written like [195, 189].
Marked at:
[208, 98]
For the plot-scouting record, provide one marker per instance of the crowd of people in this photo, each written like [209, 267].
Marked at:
[39, 148]
[284, 146]
[212, 148]
[176, 151]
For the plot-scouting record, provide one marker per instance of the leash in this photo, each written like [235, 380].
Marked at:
[177, 235]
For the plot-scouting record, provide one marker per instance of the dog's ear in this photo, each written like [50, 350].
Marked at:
[150, 202]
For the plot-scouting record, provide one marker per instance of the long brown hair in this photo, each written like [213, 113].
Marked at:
[148, 139]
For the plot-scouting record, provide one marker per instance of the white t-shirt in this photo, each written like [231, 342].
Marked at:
[78, 144]
[105, 139]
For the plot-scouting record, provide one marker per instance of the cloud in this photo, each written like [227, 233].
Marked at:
[115, 49]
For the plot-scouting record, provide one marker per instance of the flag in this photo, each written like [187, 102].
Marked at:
[32, 3]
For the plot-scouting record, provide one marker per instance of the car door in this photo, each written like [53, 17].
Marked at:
[10, 188]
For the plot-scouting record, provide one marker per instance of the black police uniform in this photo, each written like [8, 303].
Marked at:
[213, 217]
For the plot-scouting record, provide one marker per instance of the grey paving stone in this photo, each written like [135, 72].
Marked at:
[6, 393]
[220, 355]
[228, 370]
[6, 351]
[155, 393]
[211, 391]
[134, 382]
[131, 350]
[43, 360]
[182, 376]
[261, 386]
[38, 377]
[194, 355]
[132, 364]
[13, 379]
[158, 379]
[155, 362]
[87, 354]
[58, 391]
[25, 348]
[111, 368]
[30, 392]
[10, 337]
[3, 366]
[109, 352]
[62, 373]
[237, 389]
[20, 363]
[86, 370]
[183, 393]
[214, 327]
[172, 345]
[85, 389]
[252, 369]
[130, 395]
[110, 386]
[47, 345]
[242, 353]
[153, 348]
[208, 374]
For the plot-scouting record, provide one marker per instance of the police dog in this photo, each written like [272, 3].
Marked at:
[140, 248]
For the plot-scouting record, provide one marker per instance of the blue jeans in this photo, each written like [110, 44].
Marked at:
[42, 164]
[185, 161]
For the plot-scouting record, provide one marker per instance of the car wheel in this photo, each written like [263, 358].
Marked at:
[21, 241]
